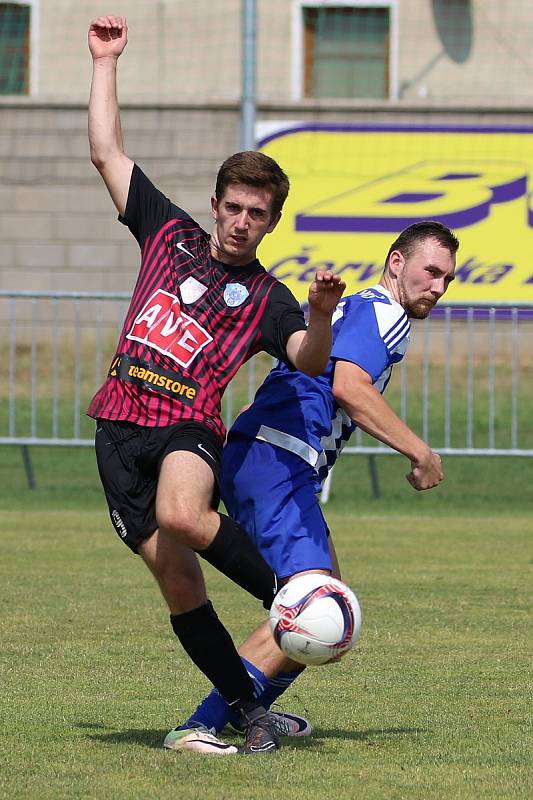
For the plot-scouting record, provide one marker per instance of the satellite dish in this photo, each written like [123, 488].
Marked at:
[453, 21]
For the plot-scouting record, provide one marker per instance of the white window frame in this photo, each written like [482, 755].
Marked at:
[297, 76]
[34, 43]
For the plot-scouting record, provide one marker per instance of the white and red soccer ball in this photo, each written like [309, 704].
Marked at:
[315, 618]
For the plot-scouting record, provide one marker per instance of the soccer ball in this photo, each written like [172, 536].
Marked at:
[315, 618]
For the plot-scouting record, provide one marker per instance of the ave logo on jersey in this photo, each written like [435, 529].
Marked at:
[164, 326]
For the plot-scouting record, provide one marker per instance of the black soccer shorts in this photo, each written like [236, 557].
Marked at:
[129, 458]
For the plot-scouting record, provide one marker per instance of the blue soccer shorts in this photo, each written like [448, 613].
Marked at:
[272, 493]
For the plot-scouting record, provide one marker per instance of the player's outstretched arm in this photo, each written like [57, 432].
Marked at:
[309, 350]
[107, 38]
[354, 391]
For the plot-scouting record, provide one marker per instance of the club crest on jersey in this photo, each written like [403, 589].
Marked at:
[164, 326]
[191, 290]
[235, 294]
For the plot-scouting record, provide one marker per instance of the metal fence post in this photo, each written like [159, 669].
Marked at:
[249, 58]
[28, 466]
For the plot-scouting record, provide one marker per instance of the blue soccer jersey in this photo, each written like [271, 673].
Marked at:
[299, 413]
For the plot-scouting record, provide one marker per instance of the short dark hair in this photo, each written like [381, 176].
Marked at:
[411, 237]
[254, 169]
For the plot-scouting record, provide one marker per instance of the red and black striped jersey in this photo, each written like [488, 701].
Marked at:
[192, 321]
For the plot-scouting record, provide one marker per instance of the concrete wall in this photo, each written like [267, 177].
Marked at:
[177, 50]
[58, 227]
[182, 51]
[494, 70]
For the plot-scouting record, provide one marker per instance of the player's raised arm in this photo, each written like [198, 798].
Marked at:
[354, 391]
[309, 350]
[107, 38]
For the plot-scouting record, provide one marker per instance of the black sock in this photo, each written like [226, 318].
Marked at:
[234, 554]
[209, 645]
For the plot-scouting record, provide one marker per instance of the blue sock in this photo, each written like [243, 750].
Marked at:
[272, 688]
[277, 685]
[214, 712]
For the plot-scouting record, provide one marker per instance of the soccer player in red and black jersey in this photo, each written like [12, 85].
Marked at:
[202, 306]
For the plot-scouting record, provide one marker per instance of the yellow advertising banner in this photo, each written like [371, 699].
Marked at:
[354, 188]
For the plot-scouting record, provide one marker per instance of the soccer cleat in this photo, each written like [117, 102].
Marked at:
[284, 724]
[259, 733]
[198, 740]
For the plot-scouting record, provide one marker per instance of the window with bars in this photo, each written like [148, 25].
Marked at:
[346, 51]
[14, 48]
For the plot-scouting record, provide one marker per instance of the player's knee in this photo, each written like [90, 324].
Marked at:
[183, 524]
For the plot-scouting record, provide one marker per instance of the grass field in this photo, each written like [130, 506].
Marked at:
[435, 702]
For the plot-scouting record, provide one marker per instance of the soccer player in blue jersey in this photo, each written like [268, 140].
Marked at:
[280, 449]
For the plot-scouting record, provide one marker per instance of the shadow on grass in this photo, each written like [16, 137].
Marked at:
[154, 738]
[147, 738]
[368, 736]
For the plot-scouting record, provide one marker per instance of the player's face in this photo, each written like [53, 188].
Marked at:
[243, 216]
[424, 277]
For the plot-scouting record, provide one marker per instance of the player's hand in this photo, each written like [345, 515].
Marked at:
[325, 292]
[107, 36]
[426, 472]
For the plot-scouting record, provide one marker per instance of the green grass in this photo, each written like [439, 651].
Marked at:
[67, 478]
[435, 701]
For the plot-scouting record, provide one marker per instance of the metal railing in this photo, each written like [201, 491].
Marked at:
[483, 357]
[465, 386]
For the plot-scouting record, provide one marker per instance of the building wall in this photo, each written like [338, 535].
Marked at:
[495, 70]
[176, 50]
[182, 51]
[58, 226]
